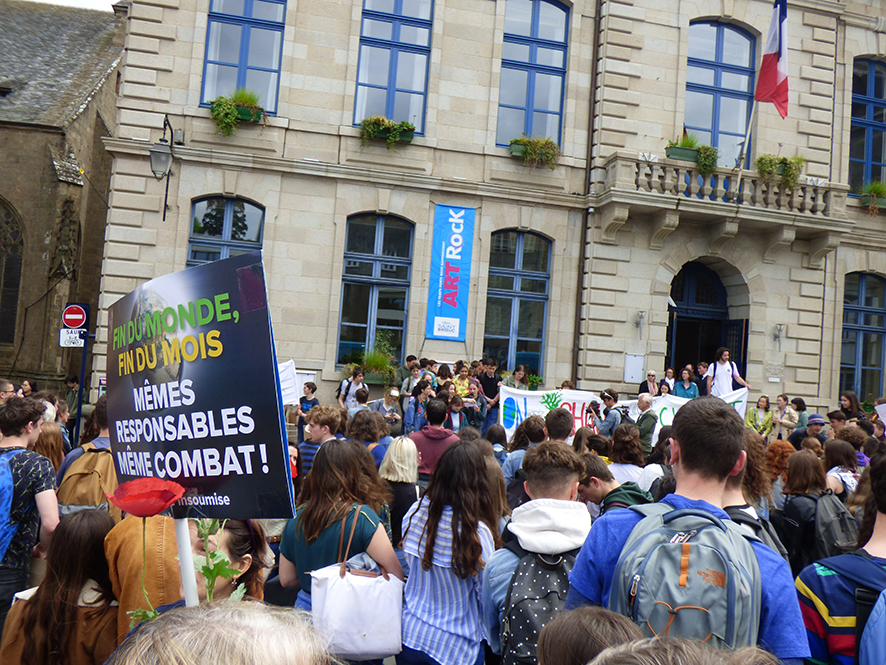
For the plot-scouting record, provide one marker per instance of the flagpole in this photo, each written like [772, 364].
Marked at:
[744, 149]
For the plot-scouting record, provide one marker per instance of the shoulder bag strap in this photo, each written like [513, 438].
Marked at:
[341, 538]
[344, 561]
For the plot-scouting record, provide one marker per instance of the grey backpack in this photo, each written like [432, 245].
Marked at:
[536, 594]
[687, 573]
[835, 529]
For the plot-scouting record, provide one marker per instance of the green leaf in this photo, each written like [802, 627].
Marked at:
[239, 592]
[140, 615]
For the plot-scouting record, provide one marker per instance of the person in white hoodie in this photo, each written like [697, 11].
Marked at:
[552, 522]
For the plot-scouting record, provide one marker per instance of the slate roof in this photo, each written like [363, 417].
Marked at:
[53, 58]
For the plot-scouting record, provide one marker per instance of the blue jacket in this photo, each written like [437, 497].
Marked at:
[414, 418]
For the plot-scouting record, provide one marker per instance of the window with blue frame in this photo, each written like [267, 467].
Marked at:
[244, 45]
[867, 145]
[395, 49]
[864, 332]
[222, 228]
[375, 286]
[719, 87]
[517, 299]
[533, 70]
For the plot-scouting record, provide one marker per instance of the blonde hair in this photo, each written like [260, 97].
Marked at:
[400, 464]
[225, 633]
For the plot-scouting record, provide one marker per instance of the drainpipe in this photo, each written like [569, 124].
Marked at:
[598, 10]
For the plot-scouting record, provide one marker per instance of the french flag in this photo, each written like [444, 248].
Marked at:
[772, 82]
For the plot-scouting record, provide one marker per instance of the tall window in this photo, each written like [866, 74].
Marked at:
[517, 299]
[867, 146]
[244, 44]
[864, 331]
[11, 246]
[375, 286]
[533, 70]
[395, 47]
[221, 228]
[719, 87]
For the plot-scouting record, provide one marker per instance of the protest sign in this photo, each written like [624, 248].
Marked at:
[193, 393]
[518, 404]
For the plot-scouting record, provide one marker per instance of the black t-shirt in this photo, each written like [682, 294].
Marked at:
[31, 474]
[797, 436]
[490, 385]
[405, 495]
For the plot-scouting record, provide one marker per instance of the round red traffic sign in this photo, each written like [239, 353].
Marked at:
[74, 316]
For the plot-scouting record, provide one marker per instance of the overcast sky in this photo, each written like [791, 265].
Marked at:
[88, 4]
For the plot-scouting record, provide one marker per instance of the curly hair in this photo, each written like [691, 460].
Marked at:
[755, 484]
[626, 446]
[777, 458]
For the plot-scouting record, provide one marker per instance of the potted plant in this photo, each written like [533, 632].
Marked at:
[789, 168]
[874, 196]
[684, 149]
[707, 160]
[536, 150]
[534, 381]
[380, 127]
[229, 112]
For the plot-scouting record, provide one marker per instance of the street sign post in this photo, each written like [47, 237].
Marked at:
[74, 316]
[75, 334]
[72, 337]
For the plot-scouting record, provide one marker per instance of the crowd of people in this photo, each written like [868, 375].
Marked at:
[715, 540]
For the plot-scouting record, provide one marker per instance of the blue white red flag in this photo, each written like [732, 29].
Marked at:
[772, 82]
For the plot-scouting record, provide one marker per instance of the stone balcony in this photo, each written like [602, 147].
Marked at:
[669, 192]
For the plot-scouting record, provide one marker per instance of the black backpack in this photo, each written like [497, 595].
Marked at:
[536, 595]
[517, 495]
[761, 527]
[625, 415]
[339, 393]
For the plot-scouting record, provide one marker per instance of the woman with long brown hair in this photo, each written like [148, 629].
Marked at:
[626, 457]
[840, 461]
[447, 540]
[51, 444]
[804, 484]
[335, 493]
[71, 618]
[530, 432]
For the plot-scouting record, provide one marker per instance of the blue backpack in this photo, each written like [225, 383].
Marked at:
[872, 648]
[7, 490]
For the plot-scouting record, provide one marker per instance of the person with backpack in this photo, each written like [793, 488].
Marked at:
[626, 458]
[346, 394]
[613, 417]
[722, 375]
[87, 474]
[838, 594]
[664, 566]
[530, 432]
[525, 583]
[27, 496]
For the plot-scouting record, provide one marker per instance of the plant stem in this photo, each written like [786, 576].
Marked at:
[144, 561]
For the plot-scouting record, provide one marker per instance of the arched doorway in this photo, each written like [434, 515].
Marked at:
[704, 316]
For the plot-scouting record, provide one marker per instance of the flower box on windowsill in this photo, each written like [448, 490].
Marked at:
[405, 136]
[374, 379]
[517, 149]
[248, 114]
[682, 154]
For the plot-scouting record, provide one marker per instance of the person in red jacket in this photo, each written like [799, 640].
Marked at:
[432, 440]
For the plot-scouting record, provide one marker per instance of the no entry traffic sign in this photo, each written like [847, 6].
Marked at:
[74, 316]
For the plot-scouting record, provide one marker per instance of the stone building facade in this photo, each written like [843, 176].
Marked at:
[57, 103]
[617, 251]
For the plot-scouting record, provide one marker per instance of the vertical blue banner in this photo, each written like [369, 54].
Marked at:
[450, 281]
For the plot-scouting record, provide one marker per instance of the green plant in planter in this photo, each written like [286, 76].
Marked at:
[789, 168]
[536, 150]
[874, 195]
[534, 381]
[228, 112]
[378, 126]
[688, 140]
[707, 160]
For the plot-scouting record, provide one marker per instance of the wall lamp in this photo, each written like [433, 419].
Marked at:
[161, 154]
[779, 331]
[639, 323]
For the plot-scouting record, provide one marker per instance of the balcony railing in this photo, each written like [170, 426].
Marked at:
[811, 196]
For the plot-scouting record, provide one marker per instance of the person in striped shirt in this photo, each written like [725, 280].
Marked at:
[323, 423]
[827, 597]
[447, 541]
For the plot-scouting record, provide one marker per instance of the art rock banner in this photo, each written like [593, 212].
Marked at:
[193, 393]
[450, 280]
[516, 405]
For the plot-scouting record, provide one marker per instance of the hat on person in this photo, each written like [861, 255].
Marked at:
[395, 393]
[815, 419]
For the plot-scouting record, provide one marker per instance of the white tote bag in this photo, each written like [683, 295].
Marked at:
[358, 611]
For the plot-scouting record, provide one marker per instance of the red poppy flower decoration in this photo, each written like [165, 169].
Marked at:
[146, 497]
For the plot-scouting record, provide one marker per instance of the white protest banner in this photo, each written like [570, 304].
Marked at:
[517, 405]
